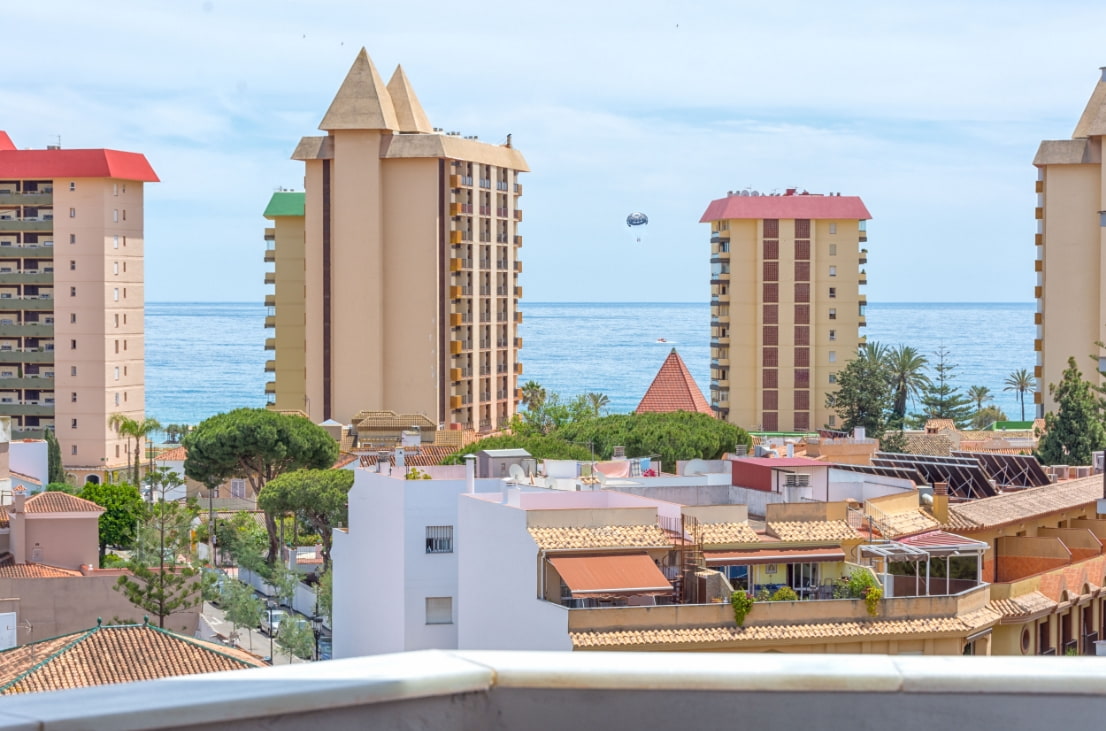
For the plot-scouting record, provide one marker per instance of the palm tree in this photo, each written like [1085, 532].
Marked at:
[129, 428]
[1021, 382]
[597, 401]
[979, 394]
[533, 395]
[908, 377]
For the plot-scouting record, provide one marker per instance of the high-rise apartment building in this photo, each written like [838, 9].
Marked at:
[786, 308]
[409, 279]
[1070, 264]
[71, 298]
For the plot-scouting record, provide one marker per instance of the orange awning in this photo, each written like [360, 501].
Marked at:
[622, 574]
[778, 555]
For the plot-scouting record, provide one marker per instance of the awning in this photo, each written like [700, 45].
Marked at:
[621, 574]
[940, 543]
[776, 555]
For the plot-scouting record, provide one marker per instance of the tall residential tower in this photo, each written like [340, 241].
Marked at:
[409, 284]
[71, 298]
[786, 308]
[1070, 264]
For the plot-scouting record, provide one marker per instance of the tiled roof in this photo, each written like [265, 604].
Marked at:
[900, 524]
[11, 570]
[426, 455]
[1025, 504]
[673, 389]
[717, 534]
[812, 530]
[1023, 606]
[390, 420]
[175, 454]
[693, 637]
[97, 163]
[343, 460]
[803, 205]
[939, 444]
[60, 502]
[106, 655]
[608, 536]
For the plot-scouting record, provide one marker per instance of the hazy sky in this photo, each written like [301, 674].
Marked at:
[931, 112]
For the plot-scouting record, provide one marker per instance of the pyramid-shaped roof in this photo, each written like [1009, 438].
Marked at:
[1093, 121]
[409, 111]
[112, 654]
[673, 389]
[362, 102]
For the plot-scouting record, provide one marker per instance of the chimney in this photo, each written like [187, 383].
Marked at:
[470, 473]
[941, 502]
[18, 525]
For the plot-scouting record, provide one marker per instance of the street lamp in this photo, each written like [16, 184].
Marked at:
[269, 603]
[316, 628]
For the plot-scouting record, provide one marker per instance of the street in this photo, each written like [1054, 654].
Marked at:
[249, 639]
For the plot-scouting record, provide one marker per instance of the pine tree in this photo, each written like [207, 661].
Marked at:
[1075, 429]
[162, 578]
[942, 400]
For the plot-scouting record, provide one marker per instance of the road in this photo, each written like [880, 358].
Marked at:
[252, 640]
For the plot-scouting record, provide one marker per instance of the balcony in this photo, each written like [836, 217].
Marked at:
[486, 183]
[454, 237]
[28, 225]
[26, 409]
[270, 366]
[31, 198]
[518, 215]
[456, 347]
[270, 255]
[455, 265]
[518, 342]
[518, 266]
[270, 300]
[25, 382]
[270, 343]
[270, 387]
[26, 355]
[270, 277]
[518, 369]
[27, 276]
[518, 292]
[863, 256]
[518, 240]
[270, 320]
[863, 279]
[27, 330]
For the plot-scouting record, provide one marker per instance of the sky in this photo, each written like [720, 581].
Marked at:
[930, 112]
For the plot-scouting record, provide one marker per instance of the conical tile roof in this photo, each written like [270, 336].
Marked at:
[362, 102]
[673, 389]
[409, 111]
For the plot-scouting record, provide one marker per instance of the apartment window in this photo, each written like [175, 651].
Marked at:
[72, 318]
[72, 291]
[117, 373]
[72, 370]
[771, 292]
[802, 378]
[115, 268]
[116, 399]
[833, 313]
[802, 314]
[115, 215]
[117, 320]
[833, 378]
[802, 271]
[124, 371]
[124, 396]
[802, 335]
[772, 249]
[117, 451]
[115, 294]
[124, 214]
[833, 292]
[802, 357]
[238, 488]
[439, 610]
[802, 401]
[832, 335]
[72, 344]
[833, 356]
[439, 539]
[770, 358]
[833, 249]
[115, 242]
[770, 378]
[802, 250]
[771, 421]
[801, 421]
[802, 292]
[833, 227]
[124, 345]
[771, 271]
[73, 449]
[771, 228]
[802, 228]
[115, 188]
[73, 397]
[771, 314]
[833, 271]
[73, 424]
[770, 400]
[72, 238]
[832, 420]
[770, 334]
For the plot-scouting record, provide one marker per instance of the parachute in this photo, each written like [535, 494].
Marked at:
[637, 223]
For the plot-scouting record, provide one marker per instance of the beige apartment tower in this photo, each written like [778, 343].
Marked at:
[786, 308]
[403, 294]
[1070, 262]
[71, 298]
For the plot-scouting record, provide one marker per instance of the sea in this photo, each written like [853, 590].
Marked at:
[206, 358]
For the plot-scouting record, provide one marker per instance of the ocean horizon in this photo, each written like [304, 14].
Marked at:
[571, 348]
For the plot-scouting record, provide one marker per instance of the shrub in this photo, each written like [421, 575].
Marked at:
[763, 595]
[741, 602]
[112, 561]
[872, 595]
[784, 594]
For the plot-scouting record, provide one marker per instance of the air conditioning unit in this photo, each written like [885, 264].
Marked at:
[798, 480]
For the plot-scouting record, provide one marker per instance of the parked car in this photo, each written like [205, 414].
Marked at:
[270, 620]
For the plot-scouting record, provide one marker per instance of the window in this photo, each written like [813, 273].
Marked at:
[770, 378]
[832, 313]
[72, 265]
[770, 400]
[771, 249]
[72, 370]
[116, 346]
[117, 373]
[833, 227]
[771, 314]
[833, 249]
[124, 214]
[802, 228]
[832, 420]
[115, 215]
[802, 250]
[833, 378]
[833, 271]
[115, 242]
[802, 357]
[770, 335]
[72, 185]
[832, 335]
[72, 212]
[771, 228]
[115, 294]
[73, 397]
[439, 539]
[72, 238]
[117, 451]
[73, 424]
[802, 401]
[115, 268]
[802, 378]
[117, 319]
[802, 314]
[72, 317]
[833, 356]
[72, 344]
[770, 358]
[116, 399]
[72, 291]
[238, 488]
[439, 610]
[802, 292]
[771, 292]
[802, 271]
[771, 271]
[801, 422]
[73, 449]
[833, 292]
[802, 335]
[115, 188]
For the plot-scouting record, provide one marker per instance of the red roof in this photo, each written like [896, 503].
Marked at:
[626, 573]
[52, 164]
[805, 205]
[780, 462]
[673, 389]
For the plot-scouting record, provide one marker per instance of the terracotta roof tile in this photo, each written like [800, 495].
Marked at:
[939, 444]
[10, 570]
[673, 389]
[717, 534]
[730, 634]
[426, 455]
[812, 530]
[105, 655]
[895, 525]
[608, 536]
[174, 454]
[60, 502]
[1025, 504]
[1023, 606]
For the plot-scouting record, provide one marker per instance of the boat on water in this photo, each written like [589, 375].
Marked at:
[661, 340]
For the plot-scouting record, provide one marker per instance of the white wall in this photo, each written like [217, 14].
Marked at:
[499, 608]
[860, 487]
[30, 458]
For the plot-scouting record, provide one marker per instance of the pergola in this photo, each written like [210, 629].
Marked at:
[925, 547]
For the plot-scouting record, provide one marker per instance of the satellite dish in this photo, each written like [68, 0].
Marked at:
[695, 467]
[517, 473]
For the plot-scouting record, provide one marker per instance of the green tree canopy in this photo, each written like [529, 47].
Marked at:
[123, 508]
[136, 430]
[163, 577]
[908, 379]
[1075, 429]
[941, 399]
[864, 395]
[258, 445]
[539, 446]
[319, 497]
[55, 470]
